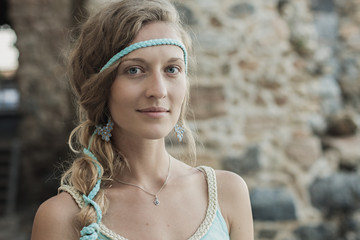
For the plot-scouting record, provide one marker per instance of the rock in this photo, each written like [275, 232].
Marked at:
[304, 149]
[348, 149]
[318, 124]
[348, 31]
[281, 5]
[350, 225]
[327, 27]
[355, 223]
[215, 22]
[186, 14]
[245, 164]
[323, 5]
[242, 10]
[342, 123]
[330, 94]
[267, 233]
[257, 124]
[208, 102]
[350, 80]
[264, 200]
[319, 232]
[339, 192]
[213, 44]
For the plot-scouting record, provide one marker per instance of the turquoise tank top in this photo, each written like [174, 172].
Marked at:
[212, 227]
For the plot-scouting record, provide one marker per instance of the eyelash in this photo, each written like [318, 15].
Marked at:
[173, 67]
[132, 68]
[140, 70]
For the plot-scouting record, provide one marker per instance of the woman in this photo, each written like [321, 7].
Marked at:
[129, 72]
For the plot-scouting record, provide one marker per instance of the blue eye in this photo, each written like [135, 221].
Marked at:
[172, 70]
[134, 70]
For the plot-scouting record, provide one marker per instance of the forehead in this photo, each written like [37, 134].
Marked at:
[155, 54]
[157, 30]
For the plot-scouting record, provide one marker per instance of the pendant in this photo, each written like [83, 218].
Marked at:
[156, 201]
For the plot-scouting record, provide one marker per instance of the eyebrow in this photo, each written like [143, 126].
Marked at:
[171, 60]
[175, 60]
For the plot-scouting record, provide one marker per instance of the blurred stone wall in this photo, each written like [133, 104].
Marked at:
[275, 96]
[42, 36]
[276, 99]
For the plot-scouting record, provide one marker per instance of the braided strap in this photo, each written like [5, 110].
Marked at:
[90, 232]
[148, 43]
[212, 204]
[74, 193]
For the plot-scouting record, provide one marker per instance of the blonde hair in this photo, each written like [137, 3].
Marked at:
[88, 55]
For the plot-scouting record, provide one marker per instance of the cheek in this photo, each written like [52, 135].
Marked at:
[112, 97]
[181, 90]
[180, 95]
[117, 97]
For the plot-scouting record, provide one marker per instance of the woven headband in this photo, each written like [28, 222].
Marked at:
[148, 43]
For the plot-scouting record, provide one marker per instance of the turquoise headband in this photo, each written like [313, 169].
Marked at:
[148, 43]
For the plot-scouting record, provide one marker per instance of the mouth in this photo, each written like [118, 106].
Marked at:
[153, 109]
[154, 112]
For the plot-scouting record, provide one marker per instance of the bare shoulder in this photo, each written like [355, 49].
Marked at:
[232, 190]
[230, 183]
[234, 201]
[55, 219]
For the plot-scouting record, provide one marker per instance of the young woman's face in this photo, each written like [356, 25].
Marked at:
[150, 86]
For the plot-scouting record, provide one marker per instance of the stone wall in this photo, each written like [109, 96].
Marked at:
[42, 34]
[276, 95]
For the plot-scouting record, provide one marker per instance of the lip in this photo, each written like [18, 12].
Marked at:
[153, 109]
[154, 112]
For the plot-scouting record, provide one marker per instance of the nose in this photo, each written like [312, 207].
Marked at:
[156, 86]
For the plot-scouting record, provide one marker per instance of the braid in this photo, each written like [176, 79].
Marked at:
[97, 42]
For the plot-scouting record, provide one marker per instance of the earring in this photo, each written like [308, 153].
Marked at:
[105, 131]
[179, 131]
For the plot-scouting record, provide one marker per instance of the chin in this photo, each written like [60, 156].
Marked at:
[155, 135]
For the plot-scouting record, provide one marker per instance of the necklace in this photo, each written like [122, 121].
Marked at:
[156, 198]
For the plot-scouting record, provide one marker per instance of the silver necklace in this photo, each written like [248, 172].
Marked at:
[156, 198]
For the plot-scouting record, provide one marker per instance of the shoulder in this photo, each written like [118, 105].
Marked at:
[55, 219]
[234, 201]
[232, 190]
[230, 183]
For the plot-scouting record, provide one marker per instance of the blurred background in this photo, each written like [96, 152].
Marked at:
[276, 96]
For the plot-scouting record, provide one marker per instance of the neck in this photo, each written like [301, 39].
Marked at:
[148, 161]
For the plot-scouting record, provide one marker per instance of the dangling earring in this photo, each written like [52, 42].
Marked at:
[179, 131]
[105, 131]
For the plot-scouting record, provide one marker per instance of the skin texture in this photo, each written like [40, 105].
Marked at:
[145, 103]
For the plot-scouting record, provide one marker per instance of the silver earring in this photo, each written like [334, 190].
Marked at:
[179, 131]
[105, 131]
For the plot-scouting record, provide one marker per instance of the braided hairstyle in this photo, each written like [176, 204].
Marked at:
[104, 34]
